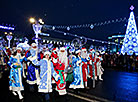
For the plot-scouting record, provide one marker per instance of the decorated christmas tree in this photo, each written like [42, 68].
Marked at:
[130, 44]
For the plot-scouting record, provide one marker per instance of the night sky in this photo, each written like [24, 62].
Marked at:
[68, 12]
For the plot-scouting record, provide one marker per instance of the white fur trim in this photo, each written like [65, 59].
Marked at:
[97, 53]
[55, 49]
[47, 52]
[76, 86]
[44, 90]
[92, 50]
[71, 86]
[78, 51]
[38, 81]
[62, 48]
[19, 48]
[83, 49]
[16, 88]
[31, 82]
[79, 86]
[54, 60]
[62, 92]
[33, 44]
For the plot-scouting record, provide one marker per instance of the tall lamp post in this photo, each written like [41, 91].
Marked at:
[9, 37]
[37, 26]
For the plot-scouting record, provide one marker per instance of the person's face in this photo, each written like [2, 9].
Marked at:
[18, 51]
[47, 56]
[79, 54]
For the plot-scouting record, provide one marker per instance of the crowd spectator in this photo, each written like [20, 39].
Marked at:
[119, 61]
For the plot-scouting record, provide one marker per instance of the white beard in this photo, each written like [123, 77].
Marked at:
[33, 51]
[70, 58]
[63, 58]
[84, 55]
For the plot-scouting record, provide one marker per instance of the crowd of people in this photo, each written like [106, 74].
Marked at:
[65, 67]
[121, 62]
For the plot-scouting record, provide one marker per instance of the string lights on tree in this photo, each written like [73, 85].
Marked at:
[130, 44]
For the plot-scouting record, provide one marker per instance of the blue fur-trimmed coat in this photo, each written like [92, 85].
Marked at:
[77, 73]
[32, 75]
[15, 77]
[46, 73]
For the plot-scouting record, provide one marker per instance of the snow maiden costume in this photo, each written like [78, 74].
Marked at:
[16, 73]
[77, 72]
[46, 73]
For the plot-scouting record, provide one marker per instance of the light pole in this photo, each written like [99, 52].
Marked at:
[9, 37]
[36, 27]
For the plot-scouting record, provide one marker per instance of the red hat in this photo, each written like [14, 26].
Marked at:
[83, 49]
[55, 49]
[92, 50]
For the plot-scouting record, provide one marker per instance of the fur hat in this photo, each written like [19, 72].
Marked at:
[62, 48]
[83, 49]
[47, 52]
[55, 49]
[92, 50]
[19, 48]
[33, 44]
[78, 51]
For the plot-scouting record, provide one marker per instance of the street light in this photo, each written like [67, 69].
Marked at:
[41, 21]
[9, 37]
[32, 20]
[36, 27]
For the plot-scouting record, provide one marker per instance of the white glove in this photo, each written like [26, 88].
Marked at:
[54, 60]
[24, 76]
[28, 63]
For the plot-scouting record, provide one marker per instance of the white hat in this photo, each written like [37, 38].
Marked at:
[55, 49]
[33, 44]
[92, 50]
[84, 49]
[97, 53]
[19, 48]
[78, 51]
[47, 52]
[62, 48]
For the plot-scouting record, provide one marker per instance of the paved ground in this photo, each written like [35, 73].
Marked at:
[117, 86]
